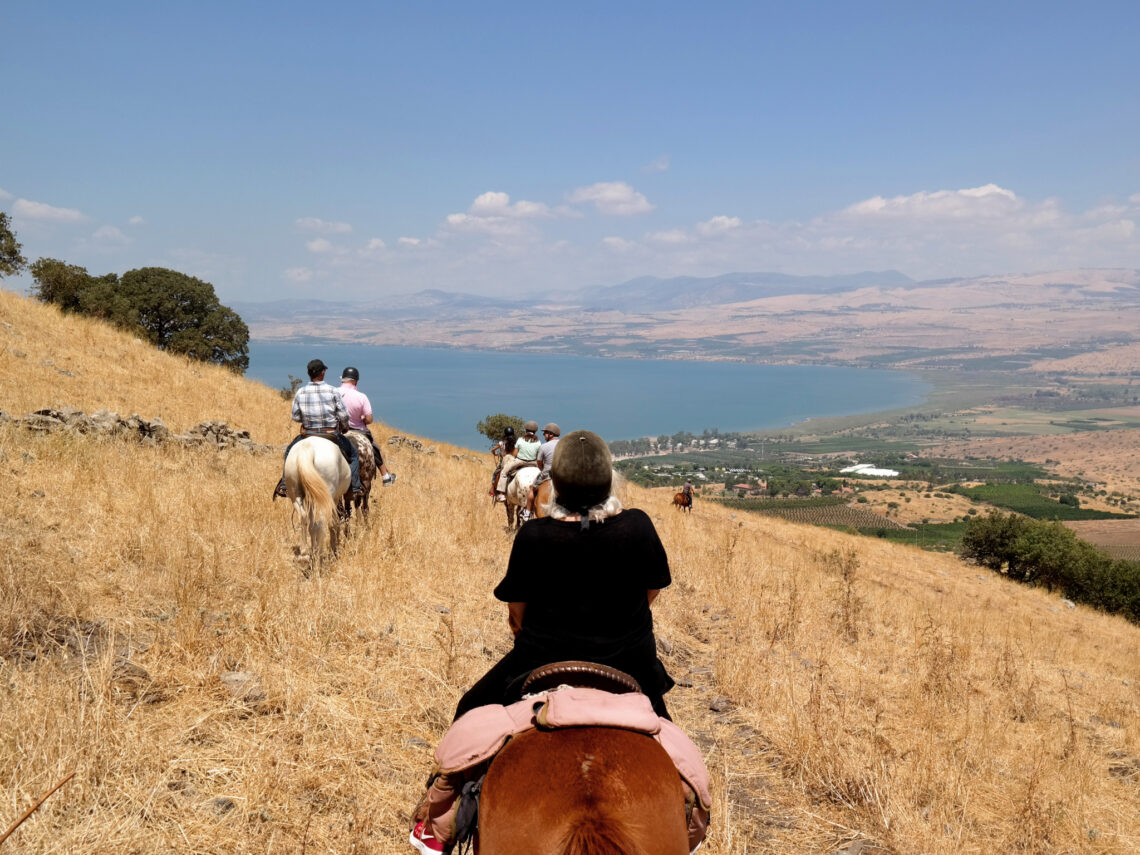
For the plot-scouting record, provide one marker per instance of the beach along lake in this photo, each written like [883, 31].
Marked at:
[442, 394]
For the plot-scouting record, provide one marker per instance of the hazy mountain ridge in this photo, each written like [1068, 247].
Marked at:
[884, 319]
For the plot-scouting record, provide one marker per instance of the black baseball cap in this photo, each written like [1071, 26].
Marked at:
[316, 367]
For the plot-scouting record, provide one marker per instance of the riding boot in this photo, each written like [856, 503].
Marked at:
[279, 490]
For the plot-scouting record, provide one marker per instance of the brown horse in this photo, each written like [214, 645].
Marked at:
[363, 445]
[582, 791]
[683, 501]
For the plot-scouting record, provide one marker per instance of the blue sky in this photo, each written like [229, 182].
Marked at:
[364, 149]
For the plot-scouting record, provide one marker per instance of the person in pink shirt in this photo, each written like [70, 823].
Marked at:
[360, 416]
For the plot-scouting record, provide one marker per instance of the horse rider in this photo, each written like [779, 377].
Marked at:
[360, 417]
[588, 597]
[500, 451]
[688, 491]
[550, 434]
[320, 410]
[526, 454]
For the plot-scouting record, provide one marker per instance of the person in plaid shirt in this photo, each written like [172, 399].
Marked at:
[320, 410]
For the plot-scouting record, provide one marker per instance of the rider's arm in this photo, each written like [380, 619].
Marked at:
[367, 419]
[515, 612]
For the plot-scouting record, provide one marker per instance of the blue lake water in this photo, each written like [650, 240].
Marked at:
[443, 394]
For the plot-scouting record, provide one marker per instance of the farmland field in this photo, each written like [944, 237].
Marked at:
[1027, 499]
[1116, 538]
[814, 512]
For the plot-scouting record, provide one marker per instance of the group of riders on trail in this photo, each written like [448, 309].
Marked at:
[578, 588]
[331, 413]
[516, 453]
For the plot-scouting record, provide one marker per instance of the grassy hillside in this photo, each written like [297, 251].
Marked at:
[840, 688]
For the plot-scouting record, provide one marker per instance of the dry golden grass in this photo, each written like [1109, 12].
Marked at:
[862, 690]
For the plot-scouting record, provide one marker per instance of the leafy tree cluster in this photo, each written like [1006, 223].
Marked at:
[171, 310]
[493, 426]
[1048, 554]
[11, 260]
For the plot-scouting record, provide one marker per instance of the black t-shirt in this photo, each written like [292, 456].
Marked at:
[585, 589]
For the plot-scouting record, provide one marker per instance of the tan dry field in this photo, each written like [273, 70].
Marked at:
[840, 688]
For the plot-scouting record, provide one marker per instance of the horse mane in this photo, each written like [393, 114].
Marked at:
[599, 835]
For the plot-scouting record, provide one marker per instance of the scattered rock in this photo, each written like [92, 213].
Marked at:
[855, 847]
[665, 646]
[443, 610]
[406, 441]
[107, 423]
[720, 704]
[38, 494]
[222, 805]
[417, 742]
[243, 686]
[1069, 604]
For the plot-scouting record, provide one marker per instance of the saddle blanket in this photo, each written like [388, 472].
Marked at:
[479, 734]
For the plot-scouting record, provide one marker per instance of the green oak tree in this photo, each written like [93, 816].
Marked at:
[11, 261]
[493, 426]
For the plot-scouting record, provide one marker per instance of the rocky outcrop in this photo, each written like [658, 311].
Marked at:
[413, 444]
[151, 431]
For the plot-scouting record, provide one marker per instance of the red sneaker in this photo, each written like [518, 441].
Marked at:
[422, 838]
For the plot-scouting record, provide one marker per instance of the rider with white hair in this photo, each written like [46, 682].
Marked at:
[360, 417]
[580, 582]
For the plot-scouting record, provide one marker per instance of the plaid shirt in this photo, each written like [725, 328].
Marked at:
[319, 405]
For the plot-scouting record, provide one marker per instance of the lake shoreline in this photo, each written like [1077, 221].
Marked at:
[436, 391]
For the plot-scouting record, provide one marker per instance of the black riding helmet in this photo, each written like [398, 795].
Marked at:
[350, 373]
[508, 431]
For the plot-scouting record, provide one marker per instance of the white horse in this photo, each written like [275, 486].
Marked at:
[516, 494]
[316, 476]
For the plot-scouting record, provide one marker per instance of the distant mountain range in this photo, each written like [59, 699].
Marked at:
[1068, 320]
[640, 295]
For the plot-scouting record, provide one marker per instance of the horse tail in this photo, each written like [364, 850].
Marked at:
[599, 835]
[318, 499]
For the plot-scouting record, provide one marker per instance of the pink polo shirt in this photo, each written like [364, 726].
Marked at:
[357, 405]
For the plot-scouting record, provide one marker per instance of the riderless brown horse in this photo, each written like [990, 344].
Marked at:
[683, 501]
[582, 791]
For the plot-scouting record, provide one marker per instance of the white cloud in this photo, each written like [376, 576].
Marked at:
[299, 274]
[374, 244]
[673, 236]
[109, 236]
[987, 201]
[618, 244]
[39, 211]
[658, 164]
[319, 246]
[136, 221]
[718, 225]
[493, 204]
[614, 197]
[323, 227]
[409, 241]
[4, 194]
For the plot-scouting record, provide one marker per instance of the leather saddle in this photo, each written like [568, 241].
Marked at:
[585, 675]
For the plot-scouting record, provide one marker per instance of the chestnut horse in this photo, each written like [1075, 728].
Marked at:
[683, 501]
[582, 791]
